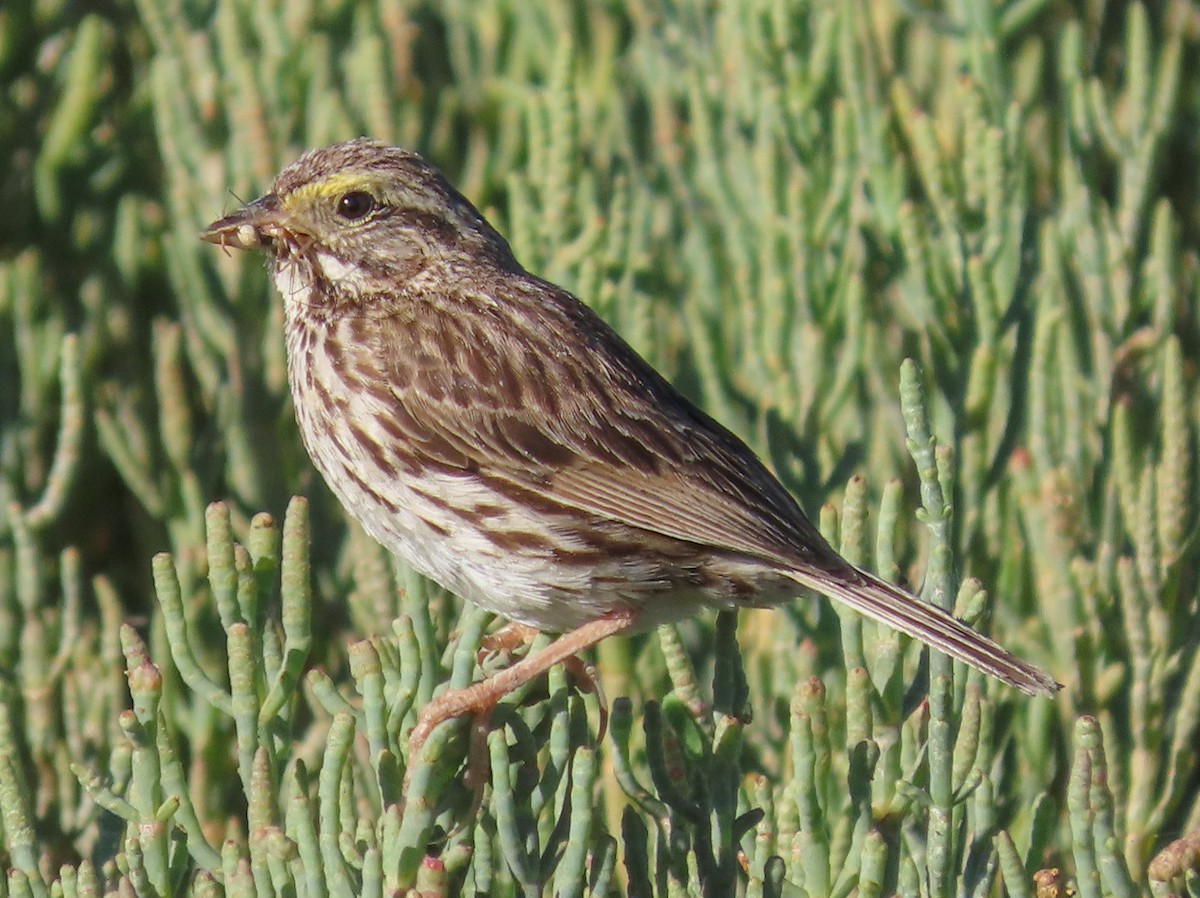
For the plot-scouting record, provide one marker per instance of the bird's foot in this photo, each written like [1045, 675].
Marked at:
[479, 699]
[514, 636]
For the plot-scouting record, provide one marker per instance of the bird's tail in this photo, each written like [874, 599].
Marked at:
[891, 605]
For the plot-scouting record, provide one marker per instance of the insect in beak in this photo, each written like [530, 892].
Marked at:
[254, 226]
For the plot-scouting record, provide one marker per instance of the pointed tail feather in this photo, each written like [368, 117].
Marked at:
[891, 605]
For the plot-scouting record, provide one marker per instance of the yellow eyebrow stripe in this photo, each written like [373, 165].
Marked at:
[334, 185]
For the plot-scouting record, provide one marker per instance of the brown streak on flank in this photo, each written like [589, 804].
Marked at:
[335, 351]
[329, 400]
[521, 541]
[393, 425]
[438, 451]
[367, 489]
[434, 526]
[589, 556]
[430, 447]
[321, 390]
[480, 516]
[344, 454]
[606, 541]
[375, 452]
[488, 511]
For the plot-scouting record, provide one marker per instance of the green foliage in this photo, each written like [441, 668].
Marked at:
[778, 203]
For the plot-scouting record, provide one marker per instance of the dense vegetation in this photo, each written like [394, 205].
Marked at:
[777, 203]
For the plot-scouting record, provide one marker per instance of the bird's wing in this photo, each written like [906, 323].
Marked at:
[568, 410]
[574, 419]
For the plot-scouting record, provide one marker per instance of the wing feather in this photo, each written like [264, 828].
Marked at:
[556, 402]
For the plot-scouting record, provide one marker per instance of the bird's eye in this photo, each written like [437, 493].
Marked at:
[355, 204]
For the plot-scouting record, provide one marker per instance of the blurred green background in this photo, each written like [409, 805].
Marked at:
[776, 203]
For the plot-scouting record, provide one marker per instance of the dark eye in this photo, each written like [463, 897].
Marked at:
[355, 204]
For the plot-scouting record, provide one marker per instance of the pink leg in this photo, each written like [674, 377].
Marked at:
[513, 636]
[478, 699]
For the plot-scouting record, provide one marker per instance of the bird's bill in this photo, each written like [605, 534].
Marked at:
[253, 226]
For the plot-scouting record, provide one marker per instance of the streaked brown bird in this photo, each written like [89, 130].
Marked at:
[496, 433]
